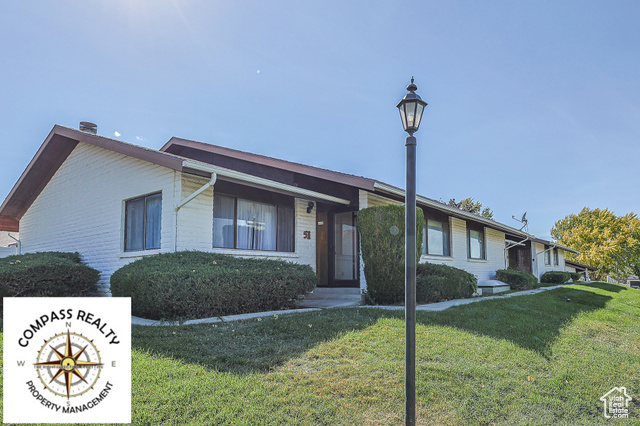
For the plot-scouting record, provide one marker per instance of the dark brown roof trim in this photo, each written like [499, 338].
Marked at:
[174, 145]
[579, 265]
[552, 244]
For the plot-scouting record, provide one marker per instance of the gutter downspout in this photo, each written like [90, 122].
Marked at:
[537, 263]
[206, 186]
[17, 241]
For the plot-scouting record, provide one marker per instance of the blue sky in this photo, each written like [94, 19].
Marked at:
[533, 106]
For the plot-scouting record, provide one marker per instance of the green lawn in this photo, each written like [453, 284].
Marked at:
[523, 360]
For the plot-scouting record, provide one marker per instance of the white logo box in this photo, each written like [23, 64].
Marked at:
[67, 360]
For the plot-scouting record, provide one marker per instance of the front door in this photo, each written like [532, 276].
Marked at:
[337, 249]
[519, 258]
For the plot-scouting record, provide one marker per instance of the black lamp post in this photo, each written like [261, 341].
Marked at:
[411, 108]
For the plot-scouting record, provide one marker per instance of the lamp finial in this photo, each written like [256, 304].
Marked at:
[412, 87]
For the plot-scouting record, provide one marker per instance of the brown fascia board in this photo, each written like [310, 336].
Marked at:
[580, 265]
[556, 245]
[146, 154]
[174, 144]
[52, 153]
[9, 224]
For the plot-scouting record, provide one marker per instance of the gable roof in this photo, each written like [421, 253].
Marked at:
[178, 154]
[52, 153]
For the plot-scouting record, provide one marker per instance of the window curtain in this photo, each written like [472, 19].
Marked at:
[153, 215]
[285, 228]
[224, 213]
[134, 230]
[257, 225]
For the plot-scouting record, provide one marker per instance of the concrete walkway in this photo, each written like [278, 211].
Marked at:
[440, 306]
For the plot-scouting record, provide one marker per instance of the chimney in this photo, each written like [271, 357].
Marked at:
[89, 127]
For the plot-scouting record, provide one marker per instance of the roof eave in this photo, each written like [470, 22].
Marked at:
[312, 171]
[383, 187]
[55, 149]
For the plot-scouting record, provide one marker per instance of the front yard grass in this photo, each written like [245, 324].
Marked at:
[524, 360]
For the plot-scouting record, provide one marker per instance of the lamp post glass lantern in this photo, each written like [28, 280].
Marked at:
[411, 108]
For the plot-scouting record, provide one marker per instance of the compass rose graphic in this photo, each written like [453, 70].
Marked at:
[68, 364]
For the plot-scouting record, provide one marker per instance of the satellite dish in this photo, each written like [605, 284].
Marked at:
[524, 221]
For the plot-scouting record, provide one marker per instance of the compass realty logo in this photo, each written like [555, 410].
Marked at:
[67, 360]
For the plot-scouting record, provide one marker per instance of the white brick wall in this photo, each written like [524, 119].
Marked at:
[82, 208]
[539, 266]
[305, 248]
[195, 219]
[483, 269]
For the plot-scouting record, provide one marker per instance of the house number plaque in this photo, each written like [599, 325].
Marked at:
[307, 235]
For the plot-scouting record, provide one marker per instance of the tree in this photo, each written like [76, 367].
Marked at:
[471, 206]
[605, 241]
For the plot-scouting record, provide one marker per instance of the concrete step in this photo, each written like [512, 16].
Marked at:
[331, 298]
[336, 290]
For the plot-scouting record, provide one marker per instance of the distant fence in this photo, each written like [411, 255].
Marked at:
[613, 281]
[8, 251]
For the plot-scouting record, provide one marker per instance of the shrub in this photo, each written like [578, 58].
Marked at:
[46, 274]
[516, 279]
[555, 277]
[194, 284]
[382, 243]
[435, 283]
[575, 276]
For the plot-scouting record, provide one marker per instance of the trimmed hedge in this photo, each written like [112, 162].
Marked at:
[575, 276]
[518, 280]
[435, 283]
[382, 243]
[555, 277]
[194, 284]
[46, 274]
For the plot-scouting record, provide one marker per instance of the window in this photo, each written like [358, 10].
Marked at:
[475, 243]
[556, 261]
[547, 255]
[252, 225]
[142, 223]
[435, 240]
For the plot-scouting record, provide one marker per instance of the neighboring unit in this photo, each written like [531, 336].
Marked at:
[571, 266]
[115, 202]
[8, 243]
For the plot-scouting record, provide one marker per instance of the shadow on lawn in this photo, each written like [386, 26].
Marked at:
[532, 322]
[255, 346]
